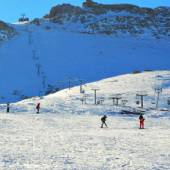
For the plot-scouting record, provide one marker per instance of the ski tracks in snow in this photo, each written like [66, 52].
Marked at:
[50, 141]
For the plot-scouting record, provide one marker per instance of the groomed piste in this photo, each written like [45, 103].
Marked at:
[67, 134]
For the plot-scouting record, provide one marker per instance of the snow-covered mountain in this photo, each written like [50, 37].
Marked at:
[115, 20]
[95, 46]
[63, 49]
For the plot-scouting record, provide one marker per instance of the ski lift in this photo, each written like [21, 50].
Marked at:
[137, 102]
[23, 19]
[102, 100]
[124, 102]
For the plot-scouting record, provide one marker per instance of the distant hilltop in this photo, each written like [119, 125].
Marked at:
[114, 19]
[95, 8]
[6, 31]
[96, 18]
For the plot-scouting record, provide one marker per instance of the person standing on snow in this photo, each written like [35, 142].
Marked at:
[7, 107]
[103, 120]
[38, 107]
[141, 121]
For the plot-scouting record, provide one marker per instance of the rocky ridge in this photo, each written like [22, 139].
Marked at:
[115, 19]
[6, 31]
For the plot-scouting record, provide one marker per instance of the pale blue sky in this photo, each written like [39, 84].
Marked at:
[11, 10]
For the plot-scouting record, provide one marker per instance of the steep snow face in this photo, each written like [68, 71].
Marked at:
[124, 87]
[44, 57]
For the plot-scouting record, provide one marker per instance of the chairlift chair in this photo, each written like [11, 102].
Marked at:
[124, 102]
[137, 102]
[98, 102]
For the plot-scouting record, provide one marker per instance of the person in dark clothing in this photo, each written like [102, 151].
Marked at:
[38, 107]
[141, 121]
[103, 120]
[7, 107]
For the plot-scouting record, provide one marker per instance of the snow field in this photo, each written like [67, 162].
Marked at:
[67, 135]
[49, 141]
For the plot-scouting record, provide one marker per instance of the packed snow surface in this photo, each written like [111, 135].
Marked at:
[48, 141]
[67, 134]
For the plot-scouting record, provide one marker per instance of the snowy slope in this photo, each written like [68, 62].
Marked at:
[45, 55]
[46, 142]
[125, 86]
[40, 57]
[67, 135]
[91, 42]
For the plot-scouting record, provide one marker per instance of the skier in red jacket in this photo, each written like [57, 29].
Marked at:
[141, 121]
[38, 107]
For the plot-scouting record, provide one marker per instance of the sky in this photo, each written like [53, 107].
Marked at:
[11, 10]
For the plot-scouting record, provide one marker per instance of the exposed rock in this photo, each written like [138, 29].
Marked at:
[5, 31]
[113, 19]
[36, 21]
[5, 27]
[64, 9]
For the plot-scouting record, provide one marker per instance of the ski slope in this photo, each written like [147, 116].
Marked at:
[124, 86]
[46, 57]
[67, 134]
[48, 141]
[100, 52]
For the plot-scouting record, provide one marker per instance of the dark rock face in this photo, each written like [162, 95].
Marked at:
[64, 9]
[113, 19]
[103, 8]
[5, 31]
[4, 26]
[36, 21]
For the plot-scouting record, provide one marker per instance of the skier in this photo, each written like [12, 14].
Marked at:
[141, 120]
[7, 107]
[38, 107]
[103, 120]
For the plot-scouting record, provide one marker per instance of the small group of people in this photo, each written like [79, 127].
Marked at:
[103, 118]
[37, 108]
[141, 121]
